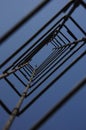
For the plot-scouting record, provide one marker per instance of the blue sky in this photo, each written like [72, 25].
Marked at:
[72, 116]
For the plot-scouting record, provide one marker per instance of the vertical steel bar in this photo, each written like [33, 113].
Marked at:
[18, 105]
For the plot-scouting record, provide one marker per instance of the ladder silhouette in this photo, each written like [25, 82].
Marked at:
[65, 44]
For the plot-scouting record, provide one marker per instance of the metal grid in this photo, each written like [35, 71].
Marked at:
[65, 45]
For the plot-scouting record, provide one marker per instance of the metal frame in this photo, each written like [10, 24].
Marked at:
[63, 51]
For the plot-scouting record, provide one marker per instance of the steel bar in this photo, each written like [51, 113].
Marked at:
[18, 105]
[53, 44]
[23, 21]
[49, 65]
[45, 71]
[56, 41]
[64, 36]
[5, 107]
[70, 32]
[12, 86]
[48, 23]
[38, 85]
[12, 71]
[24, 75]
[26, 71]
[30, 67]
[48, 59]
[83, 4]
[19, 79]
[76, 42]
[38, 47]
[53, 65]
[53, 82]
[79, 27]
[30, 47]
[47, 39]
[61, 39]
[59, 104]
[39, 78]
[68, 51]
